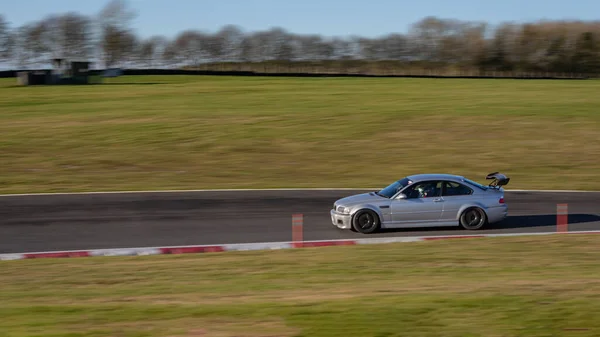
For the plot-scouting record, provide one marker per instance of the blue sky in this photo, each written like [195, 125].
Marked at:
[326, 17]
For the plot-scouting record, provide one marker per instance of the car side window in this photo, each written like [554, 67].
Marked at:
[456, 189]
[426, 189]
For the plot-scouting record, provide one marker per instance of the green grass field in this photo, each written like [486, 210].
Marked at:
[519, 286]
[193, 132]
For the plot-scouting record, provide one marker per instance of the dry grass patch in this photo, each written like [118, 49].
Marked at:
[529, 286]
[187, 327]
[291, 132]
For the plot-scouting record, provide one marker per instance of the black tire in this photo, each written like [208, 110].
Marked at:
[365, 222]
[473, 218]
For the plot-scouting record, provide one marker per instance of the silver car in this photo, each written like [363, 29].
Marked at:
[424, 200]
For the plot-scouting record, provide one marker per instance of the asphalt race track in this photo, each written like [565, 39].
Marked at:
[33, 223]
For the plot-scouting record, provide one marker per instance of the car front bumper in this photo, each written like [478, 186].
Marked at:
[341, 221]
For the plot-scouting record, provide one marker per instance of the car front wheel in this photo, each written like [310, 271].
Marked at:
[365, 222]
[473, 218]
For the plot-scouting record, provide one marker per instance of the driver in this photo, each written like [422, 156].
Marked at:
[427, 191]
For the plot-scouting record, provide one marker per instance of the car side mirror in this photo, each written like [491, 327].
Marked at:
[401, 196]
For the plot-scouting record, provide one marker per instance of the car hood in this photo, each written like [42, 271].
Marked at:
[359, 198]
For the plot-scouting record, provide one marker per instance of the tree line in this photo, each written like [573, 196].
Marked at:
[431, 43]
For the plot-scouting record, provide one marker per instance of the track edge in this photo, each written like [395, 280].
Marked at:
[194, 249]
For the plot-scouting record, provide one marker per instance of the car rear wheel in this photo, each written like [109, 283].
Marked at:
[473, 218]
[365, 222]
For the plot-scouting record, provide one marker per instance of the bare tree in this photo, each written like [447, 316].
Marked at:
[246, 53]
[151, 51]
[569, 46]
[343, 49]
[117, 41]
[395, 47]
[587, 53]
[116, 13]
[63, 36]
[255, 47]
[473, 38]
[231, 38]
[213, 47]
[500, 49]
[118, 46]
[314, 48]
[279, 45]
[188, 48]
[33, 46]
[26, 47]
[426, 36]
[76, 35]
[6, 40]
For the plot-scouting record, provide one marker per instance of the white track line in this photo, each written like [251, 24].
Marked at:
[193, 191]
[251, 190]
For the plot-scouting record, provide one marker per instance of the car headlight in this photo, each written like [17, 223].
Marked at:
[343, 210]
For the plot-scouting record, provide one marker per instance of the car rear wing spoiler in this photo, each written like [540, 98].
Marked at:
[498, 179]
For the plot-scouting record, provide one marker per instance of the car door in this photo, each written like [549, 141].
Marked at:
[423, 205]
[455, 195]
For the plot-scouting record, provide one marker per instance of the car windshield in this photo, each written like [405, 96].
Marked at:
[393, 188]
[476, 184]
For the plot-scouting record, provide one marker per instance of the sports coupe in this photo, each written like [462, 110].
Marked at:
[424, 200]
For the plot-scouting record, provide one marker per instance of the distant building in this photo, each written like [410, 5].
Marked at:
[63, 72]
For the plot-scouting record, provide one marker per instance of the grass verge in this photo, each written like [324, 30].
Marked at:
[515, 286]
[188, 132]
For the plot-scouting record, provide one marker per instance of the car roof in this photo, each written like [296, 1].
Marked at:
[435, 176]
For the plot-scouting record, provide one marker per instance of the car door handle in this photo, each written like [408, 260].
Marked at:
[438, 200]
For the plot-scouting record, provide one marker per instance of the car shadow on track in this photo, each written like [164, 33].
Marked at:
[511, 222]
[526, 221]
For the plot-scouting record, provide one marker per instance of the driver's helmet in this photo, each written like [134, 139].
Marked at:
[427, 190]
